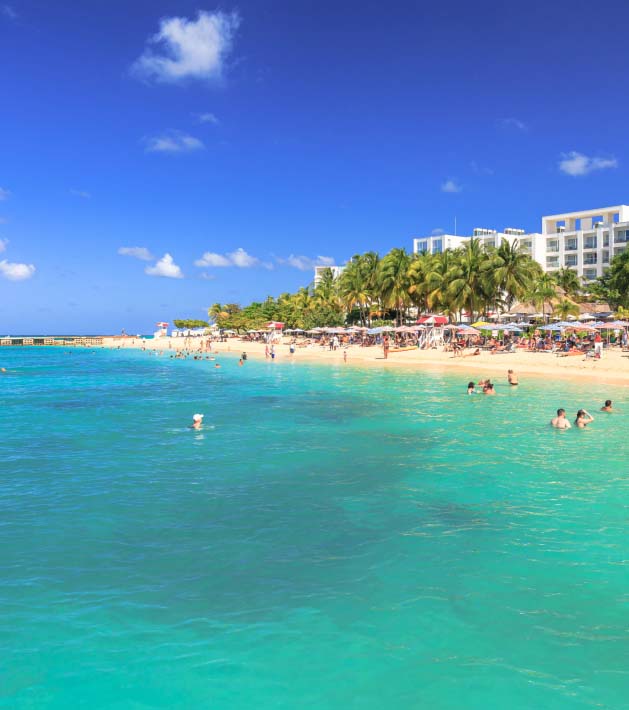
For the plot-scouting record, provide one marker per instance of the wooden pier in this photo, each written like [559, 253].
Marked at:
[65, 341]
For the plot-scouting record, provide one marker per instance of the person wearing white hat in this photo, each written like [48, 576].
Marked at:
[197, 421]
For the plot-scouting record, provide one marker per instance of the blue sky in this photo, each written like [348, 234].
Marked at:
[227, 149]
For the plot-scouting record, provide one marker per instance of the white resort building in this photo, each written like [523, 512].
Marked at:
[584, 241]
[320, 270]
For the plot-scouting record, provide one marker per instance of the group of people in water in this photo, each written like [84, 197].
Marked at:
[561, 421]
[487, 387]
[582, 419]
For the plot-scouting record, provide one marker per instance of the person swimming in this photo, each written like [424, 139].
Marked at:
[512, 378]
[470, 388]
[607, 407]
[560, 421]
[489, 389]
[197, 421]
[583, 419]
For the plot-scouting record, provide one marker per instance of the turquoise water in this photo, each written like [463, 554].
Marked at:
[334, 538]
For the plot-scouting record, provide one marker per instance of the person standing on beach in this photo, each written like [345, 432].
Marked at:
[266, 351]
[385, 346]
[598, 345]
[560, 421]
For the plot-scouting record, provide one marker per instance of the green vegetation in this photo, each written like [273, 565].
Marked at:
[189, 323]
[472, 280]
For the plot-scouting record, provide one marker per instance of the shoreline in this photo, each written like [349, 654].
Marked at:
[611, 369]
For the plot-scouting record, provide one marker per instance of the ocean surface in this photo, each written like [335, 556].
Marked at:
[335, 537]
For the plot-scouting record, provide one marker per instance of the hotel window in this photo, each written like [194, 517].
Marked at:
[606, 257]
[437, 246]
[570, 260]
[618, 250]
[552, 245]
[590, 258]
[589, 274]
[622, 236]
[571, 244]
[422, 246]
[526, 245]
[606, 239]
[552, 262]
[589, 243]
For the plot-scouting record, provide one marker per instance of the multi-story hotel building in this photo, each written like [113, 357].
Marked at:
[584, 241]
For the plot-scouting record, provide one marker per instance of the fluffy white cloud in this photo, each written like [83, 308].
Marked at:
[165, 267]
[575, 164]
[210, 258]
[16, 272]
[80, 193]
[141, 253]
[173, 142]
[451, 186]
[306, 263]
[239, 258]
[189, 49]
[4, 194]
[208, 118]
[513, 123]
[3, 245]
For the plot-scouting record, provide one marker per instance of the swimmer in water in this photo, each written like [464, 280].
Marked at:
[583, 419]
[512, 378]
[217, 365]
[197, 421]
[607, 407]
[470, 388]
[240, 363]
[560, 421]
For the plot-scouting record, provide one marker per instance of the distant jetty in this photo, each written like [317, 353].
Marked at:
[89, 341]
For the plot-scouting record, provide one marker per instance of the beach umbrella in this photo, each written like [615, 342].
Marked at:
[483, 324]
[552, 326]
[432, 320]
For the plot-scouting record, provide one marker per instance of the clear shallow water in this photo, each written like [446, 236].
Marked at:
[334, 538]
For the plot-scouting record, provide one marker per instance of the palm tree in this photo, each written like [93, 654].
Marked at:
[543, 290]
[568, 280]
[565, 308]
[394, 281]
[353, 287]
[511, 272]
[467, 284]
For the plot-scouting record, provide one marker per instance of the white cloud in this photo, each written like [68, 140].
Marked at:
[479, 169]
[16, 272]
[575, 164]
[188, 49]
[208, 118]
[451, 186]
[3, 245]
[306, 263]
[8, 11]
[242, 260]
[239, 258]
[141, 253]
[437, 232]
[212, 259]
[80, 193]
[4, 194]
[513, 123]
[165, 267]
[173, 142]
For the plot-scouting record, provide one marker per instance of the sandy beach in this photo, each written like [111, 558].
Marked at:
[612, 368]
